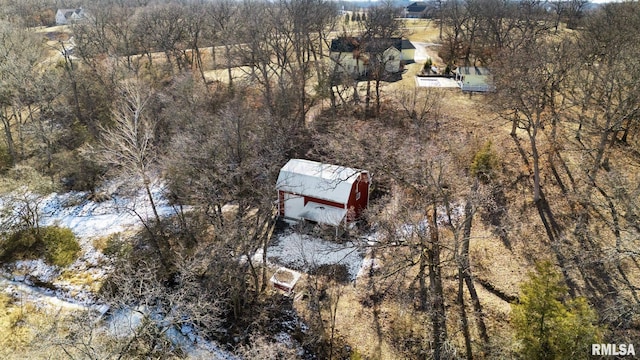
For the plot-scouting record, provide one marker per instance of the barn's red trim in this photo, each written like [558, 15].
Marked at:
[323, 202]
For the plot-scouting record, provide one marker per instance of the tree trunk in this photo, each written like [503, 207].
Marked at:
[514, 126]
[367, 98]
[438, 312]
[356, 96]
[8, 136]
[152, 202]
[377, 97]
[465, 264]
[422, 280]
[463, 314]
[47, 142]
[535, 158]
[227, 53]
[198, 61]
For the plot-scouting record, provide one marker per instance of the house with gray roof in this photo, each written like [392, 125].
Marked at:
[67, 16]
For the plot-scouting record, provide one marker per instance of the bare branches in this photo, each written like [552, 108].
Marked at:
[128, 143]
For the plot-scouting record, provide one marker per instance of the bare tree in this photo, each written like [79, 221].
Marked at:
[530, 108]
[196, 30]
[128, 144]
[225, 26]
[23, 196]
[145, 318]
[19, 56]
[574, 12]
[480, 29]
[163, 28]
[422, 107]
[381, 30]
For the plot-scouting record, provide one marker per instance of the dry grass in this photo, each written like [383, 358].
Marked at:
[502, 266]
[422, 30]
[84, 280]
[356, 324]
[22, 325]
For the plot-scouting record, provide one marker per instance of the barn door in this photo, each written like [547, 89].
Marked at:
[293, 205]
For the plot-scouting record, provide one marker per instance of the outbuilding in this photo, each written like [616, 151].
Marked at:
[322, 193]
[474, 79]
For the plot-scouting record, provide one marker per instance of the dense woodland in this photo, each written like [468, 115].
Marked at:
[507, 224]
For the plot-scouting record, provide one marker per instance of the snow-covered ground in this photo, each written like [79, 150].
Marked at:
[25, 292]
[124, 323]
[305, 253]
[89, 219]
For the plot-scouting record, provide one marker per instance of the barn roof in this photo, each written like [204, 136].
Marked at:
[318, 180]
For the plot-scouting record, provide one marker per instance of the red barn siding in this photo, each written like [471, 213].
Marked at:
[357, 206]
[281, 203]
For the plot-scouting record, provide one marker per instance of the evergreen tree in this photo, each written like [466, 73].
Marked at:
[547, 325]
[485, 162]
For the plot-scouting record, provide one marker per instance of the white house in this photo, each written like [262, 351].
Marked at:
[415, 10]
[322, 193]
[392, 58]
[347, 57]
[359, 58]
[67, 16]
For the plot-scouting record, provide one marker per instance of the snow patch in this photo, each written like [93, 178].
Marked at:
[124, 323]
[88, 219]
[35, 268]
[305, 253]
[369, 265]
[39, 296]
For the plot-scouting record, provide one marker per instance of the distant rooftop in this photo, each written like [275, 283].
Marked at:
[349, 44]
[418, 6]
